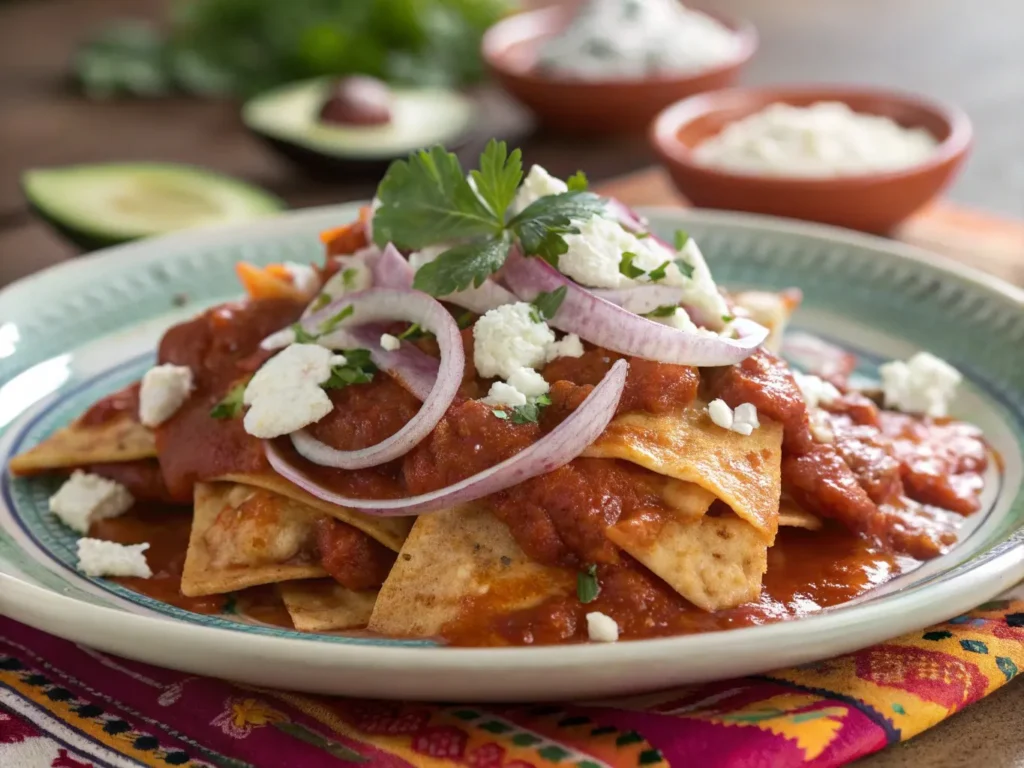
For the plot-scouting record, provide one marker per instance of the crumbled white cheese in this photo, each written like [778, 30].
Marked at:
[508, 338]
[924, 384]
[108, 558]
[821, 427]
[285, 394]
[501, 393]
[679, 320]
[699, 289]
[742, 428]
[746, 413]
[426, 255]
[594, 255]
[636, 39]
[304, 277]
[821, 140]
[816, 391]
[353, 275]
[390, 343]
[568, 346]
[537, 184]
[85, 498]
[720, 413]
[337, 359]
[529, 382]
[601, 628]
[278, 339]
[165, 388]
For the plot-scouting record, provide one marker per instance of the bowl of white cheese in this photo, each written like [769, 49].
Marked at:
[854, 157]
[609, 66]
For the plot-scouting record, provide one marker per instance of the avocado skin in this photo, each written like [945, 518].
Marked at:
[84, 241]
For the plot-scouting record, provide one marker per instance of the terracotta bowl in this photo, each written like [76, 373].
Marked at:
[592, 108]
[873, 202]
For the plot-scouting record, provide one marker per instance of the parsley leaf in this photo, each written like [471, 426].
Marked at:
[547, 302]
[464, 265]
[530, 413]
[498, 177]
[685, 267]
[577, 182]
[587, 588]
[665, 311]
[658, 273]
[682, 237]
[358, 369]
[626, 266]
[302, 336]
[231, 404]
[321, 301]
[542, 223]
[501, 415]
[426, 200]
[331, 323]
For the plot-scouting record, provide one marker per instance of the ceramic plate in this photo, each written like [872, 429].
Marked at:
[76, 332]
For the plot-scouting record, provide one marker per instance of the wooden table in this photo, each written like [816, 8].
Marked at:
[967, 51]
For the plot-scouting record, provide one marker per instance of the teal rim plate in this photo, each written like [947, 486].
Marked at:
[75, 332]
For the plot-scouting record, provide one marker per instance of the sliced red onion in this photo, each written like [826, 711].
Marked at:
[378, 305]
[391, 270]
[563, 444]
[641, 299]
[412, 367]
[488, 296]
[601, 322]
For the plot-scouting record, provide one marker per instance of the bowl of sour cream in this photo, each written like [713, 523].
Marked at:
[855, 157]
[609, 66]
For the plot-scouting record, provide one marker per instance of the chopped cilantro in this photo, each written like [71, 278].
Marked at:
[500, 414]
[426, 200]
[333, 322]
[682, 237]
[547, 303]
[530, 413]
[358, 369]
[413, 332]
[302, 336]
[466, 319]
[665, 311]
[727, 318]
[321, 301]
[587, 588]
[348, 278]
[642, 235]
[577, 182]
[626, 266]
[685, 267]
[231, 405]
[658, 273]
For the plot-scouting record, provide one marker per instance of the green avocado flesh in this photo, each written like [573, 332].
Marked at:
[113, 203]
[421, 117]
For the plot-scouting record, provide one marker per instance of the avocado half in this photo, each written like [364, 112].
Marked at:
[288, 119]
[95, 206]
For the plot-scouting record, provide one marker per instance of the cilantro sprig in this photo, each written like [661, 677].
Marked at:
[230, 405]
[587, 588]
[427, 200]
[524, 414]
[358, 369]
[546, 304]
[630, 270]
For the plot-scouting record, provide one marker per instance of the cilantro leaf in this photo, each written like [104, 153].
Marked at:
[685, 267]
[358, 369]
[530, 413]
[626, 267]
[348, 278]
[498, 177]
[413, 332]
[332, 322]
[547, 303]
[302, 336]
[682, 237]
[658, 273]
[231, 405]
[466, 319]
[665, 311]
[727, 318]
[321, 301]
[587, 588]
[642, 235]
[577, 182]
[501, 415]
[541, 225]
[464, 265]
[426, 200]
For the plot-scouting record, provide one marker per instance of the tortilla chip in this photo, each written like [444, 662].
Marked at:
[121, 439]
[742, 471]
[322, 605]
[244, 556]
[389, 531]
[792, 516]
[454, 557]
[772, 310]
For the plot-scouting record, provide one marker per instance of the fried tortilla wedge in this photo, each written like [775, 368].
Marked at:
[389, 531]
[772, 310]
[792, 516]
[77, 445]
[452, 557]
[243, 536]
[322, 605]
[742, 471]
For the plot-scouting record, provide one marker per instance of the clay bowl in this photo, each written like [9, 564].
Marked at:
[872, 202]
[592, 108]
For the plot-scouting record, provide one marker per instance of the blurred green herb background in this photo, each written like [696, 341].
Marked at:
[242, 47]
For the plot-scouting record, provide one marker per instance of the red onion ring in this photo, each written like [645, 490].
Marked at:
[488, 296]
[391, 270]
[377, 305]
[601, 322]
[641, 299]
[563, 444]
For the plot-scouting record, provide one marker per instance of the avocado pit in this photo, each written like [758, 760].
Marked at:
[358, 100]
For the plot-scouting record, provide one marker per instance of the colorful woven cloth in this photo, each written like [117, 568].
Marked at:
[65, 706]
